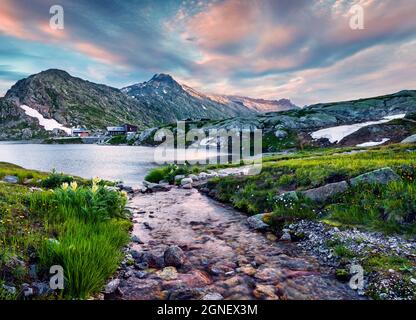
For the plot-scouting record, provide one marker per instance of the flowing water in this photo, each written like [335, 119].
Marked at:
[222, 254]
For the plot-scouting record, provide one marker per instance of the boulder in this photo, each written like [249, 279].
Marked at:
[27, 290]
[112, 286]
[325, 192]
[123, 187]
[212, 296]
[383, 176]
[168, 273]
[42, 288]
[266, 292]
[186, 181]
[151, 260]
[154, 187]
[411, 139]
[202, 176]
[256, 222]
[179, 177]
[174, 256]
[291, 195]
[187, 186]
[194, 177]
[11, 179]
[280, 134]
[136, 239]
[286, 236]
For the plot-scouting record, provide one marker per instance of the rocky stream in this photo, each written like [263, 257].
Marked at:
[188, 246]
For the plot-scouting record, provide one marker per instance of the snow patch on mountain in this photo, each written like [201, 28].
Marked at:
[336, 134]
[373, 143]
[48, 124]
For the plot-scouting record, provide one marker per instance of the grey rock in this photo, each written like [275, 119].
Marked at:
[112, 286]
[136, 239]
[383, 176]
[174, 256]
[186, 181]
[286, 237]
[27, 290]
[141, 274]
[150, 260]
[147, 225]
[323, 193]
[141, 265]
[193, 177]
[33, 271]
[135, 254]
[411, 139]
[179, 177]
[291, 195]
[42, 288]
[280, 134]
[187, 186]
[203, 176]
[256, 222]
[11, 179]
[212, 296]
[154, 187]
[9, 289]
[128, 274]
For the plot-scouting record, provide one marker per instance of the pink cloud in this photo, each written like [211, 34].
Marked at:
[274, 38]
[56, 34]
[97, 53]
[380, 18]
[230, 22]
[10, 22]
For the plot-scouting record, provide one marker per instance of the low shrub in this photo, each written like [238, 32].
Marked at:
[55, 180]
[89, 231]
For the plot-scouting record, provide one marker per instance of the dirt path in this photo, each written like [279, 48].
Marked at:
[223, 256]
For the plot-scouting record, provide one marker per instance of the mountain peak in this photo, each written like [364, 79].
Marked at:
[163, 77]
[54, 72]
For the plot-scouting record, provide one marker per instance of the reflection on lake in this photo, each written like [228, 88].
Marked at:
[128, 164]
[125, 163]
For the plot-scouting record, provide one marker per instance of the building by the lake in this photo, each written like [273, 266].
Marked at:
[80, 132]
[124, 129]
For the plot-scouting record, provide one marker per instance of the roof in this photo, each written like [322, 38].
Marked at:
[79, 130]
[116, 129]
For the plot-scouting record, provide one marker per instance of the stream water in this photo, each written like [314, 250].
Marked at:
[223, 256]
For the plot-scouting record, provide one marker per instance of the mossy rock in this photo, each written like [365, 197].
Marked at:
[342, 275]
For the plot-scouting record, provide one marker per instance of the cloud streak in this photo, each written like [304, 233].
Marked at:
[300, 49]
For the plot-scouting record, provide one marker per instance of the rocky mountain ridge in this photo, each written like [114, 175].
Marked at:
[71, 101]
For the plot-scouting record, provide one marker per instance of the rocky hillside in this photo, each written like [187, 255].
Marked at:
[173, 101]
[293, 128]
[16, 125]
[72, 101]
[256, 105]
[54, 95]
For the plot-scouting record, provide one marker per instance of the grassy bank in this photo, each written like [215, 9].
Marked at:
[377, 207]
[54, 219]
[386, 207]
[382, 207]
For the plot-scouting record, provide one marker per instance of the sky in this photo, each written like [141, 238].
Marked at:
[304, 50]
